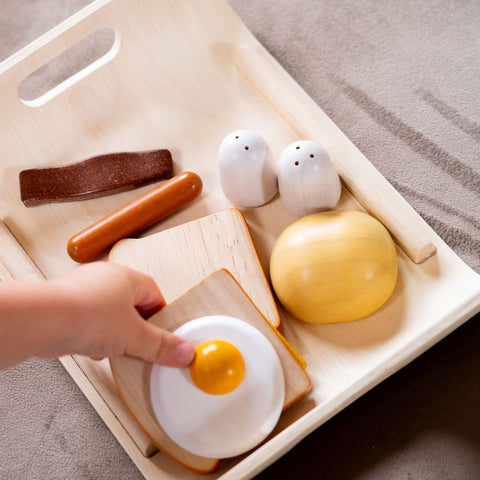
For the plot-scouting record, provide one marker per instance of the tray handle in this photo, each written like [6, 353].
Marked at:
[257, 67]
[53, 43]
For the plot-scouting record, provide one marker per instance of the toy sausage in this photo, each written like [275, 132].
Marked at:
[135, 216]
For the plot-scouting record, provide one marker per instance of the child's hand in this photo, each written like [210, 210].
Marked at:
[107, 305]
[95, 310]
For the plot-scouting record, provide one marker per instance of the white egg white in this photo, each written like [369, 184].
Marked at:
[221, 426]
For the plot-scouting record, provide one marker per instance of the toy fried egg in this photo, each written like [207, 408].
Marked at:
[231, 396]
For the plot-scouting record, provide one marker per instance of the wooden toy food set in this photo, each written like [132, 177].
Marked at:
[181, 76]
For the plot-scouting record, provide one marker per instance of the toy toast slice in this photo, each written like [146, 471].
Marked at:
[218, 294]
[182, 256]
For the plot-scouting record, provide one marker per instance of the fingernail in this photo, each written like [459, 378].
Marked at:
[184, 354]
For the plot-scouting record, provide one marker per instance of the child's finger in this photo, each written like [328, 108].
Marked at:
[159, 346]
[148, 297]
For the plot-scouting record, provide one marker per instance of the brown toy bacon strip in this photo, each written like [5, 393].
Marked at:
[94, 177]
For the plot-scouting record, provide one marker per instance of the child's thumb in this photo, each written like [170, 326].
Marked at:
[159, 346]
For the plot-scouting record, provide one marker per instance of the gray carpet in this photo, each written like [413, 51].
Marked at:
[401, 80]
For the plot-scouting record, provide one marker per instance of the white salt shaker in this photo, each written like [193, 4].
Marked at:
[248, 174]
[307, 179]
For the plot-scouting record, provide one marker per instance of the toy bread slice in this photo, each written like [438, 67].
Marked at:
[218, 294]
[180, 257]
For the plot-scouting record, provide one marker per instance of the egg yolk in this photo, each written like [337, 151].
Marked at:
[218, 367]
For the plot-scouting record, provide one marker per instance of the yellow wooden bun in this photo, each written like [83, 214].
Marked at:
[334, 266]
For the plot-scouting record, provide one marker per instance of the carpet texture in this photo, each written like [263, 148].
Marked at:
[401, 80]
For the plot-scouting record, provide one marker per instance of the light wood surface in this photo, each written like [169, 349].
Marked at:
[16, 264]
[182, 256]
[172, 82]
[361, 178]
[219, 294]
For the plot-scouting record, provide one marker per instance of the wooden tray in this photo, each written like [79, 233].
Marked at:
[181, 75]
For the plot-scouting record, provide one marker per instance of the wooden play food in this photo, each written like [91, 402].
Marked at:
[245, 394]
[248, 174]
[94, 177]
[194, 250]
[218, 368]
[307, 179]
[218, 294]
[334, 266]
[135, 216]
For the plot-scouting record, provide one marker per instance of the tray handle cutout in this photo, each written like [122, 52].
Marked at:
[68, 68]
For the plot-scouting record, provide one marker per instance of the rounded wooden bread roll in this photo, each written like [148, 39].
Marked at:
[334, 266]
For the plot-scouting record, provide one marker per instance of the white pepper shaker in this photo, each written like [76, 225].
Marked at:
[248, 174]
[307, 180]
